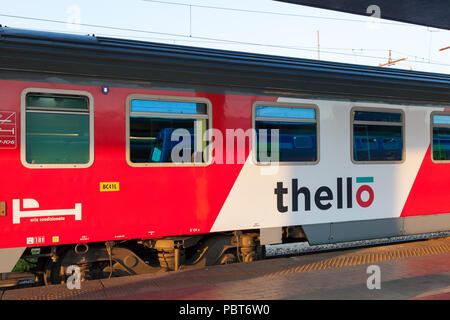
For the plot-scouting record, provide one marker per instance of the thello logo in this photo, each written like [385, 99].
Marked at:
[324, 198]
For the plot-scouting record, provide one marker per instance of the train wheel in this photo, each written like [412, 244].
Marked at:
[96, 262]
[52, 268]
[227, 258]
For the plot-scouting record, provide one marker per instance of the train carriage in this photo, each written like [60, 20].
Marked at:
[123, 156]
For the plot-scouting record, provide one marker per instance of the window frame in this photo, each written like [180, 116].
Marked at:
[433, 113]
[394, 124]
[136, 96]
[23, 113]
[289, 120]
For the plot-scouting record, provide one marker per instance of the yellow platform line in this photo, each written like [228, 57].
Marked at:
[367, 258]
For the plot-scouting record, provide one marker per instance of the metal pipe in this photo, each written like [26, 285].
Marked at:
[177, 258]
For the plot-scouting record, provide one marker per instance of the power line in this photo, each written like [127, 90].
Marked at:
[213, 40]
[279, 13]
[92, 25]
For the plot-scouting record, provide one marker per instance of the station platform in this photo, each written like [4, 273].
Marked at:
[415, 270]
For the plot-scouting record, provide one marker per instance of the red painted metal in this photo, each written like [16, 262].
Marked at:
[152, 202]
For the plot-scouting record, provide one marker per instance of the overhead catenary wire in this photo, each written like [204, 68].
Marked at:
[279, 13]
[191, 37]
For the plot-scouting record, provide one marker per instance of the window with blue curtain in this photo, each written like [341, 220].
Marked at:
[152, 127]
[441, 136]
[377, 136]
[297, 133]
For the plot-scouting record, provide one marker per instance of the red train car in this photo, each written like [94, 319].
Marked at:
[122, 156]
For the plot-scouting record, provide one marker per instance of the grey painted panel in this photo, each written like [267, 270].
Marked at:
[9, 258]
[373, 229]
[317, 233]
[364, 230]
[423, 224]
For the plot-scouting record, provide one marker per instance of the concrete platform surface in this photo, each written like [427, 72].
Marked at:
[416, 270]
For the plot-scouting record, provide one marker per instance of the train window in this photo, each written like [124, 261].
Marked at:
[167, 130]
[440, 124]
[57, 128]
[297, 127]
[377, 136]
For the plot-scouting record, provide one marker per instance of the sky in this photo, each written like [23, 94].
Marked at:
[259, 26]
